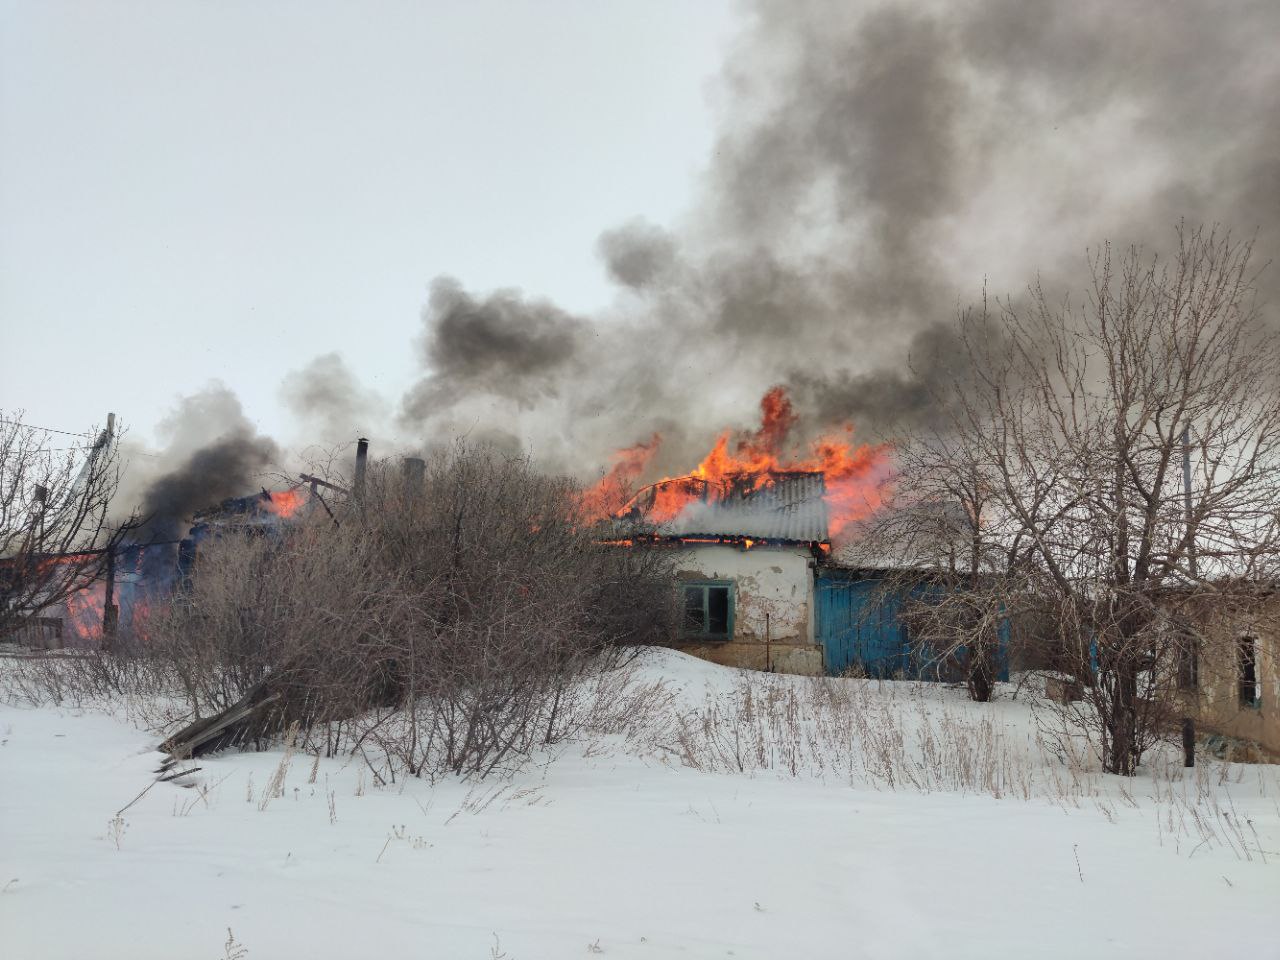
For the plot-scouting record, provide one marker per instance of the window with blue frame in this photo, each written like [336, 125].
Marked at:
[708, 610]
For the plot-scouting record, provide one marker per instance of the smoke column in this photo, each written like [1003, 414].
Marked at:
[874, 165]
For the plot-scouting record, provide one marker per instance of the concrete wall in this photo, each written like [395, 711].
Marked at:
[1217, 696]
[773, 606]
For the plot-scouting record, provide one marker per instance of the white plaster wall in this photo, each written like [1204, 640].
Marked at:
[776, 581]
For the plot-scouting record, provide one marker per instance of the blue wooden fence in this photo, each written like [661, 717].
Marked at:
[859, 625]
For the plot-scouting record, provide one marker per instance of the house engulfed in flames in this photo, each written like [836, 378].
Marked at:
[752, 526]
[107, 614]
[748, 552]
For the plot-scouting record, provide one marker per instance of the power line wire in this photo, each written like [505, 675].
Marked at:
[19, 423]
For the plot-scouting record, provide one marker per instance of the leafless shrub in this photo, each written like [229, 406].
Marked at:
[867, 733]
[233, 949]
[275, 786]
[116, 829]
[907, 736]
[440, 626]
[83, 678]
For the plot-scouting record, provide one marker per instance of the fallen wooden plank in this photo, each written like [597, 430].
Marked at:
[185, 742]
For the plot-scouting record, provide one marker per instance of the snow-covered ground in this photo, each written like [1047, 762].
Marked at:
[733, 830]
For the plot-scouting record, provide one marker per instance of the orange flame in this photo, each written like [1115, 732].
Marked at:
[284, 503]
[84, 611]
[614, 489]
[853, 473]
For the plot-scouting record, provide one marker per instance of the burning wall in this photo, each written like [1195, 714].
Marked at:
[142, 574]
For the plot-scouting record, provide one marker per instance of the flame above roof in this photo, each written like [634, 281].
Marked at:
[785, 506]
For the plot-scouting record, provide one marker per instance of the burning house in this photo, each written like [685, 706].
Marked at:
[760, 585]
[114, 608]
[746, 565]
[753, 527]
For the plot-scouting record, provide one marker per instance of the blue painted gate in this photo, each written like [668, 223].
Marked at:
[858, 625]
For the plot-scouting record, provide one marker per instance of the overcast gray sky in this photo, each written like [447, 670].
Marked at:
[194, 190]
[315, 203]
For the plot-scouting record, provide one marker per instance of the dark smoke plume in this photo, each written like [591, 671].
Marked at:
[876, 166]
[501, 345]
[898, 396]
[211, 451]
[225, 468]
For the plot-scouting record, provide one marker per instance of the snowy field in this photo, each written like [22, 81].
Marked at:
[755, 817]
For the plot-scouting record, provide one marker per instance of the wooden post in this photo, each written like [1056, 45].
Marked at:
[110, 612]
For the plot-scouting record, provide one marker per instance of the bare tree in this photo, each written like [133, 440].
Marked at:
[949, 567]
[951, 557]
[55, 538]
[447, 620]
[1065, 456]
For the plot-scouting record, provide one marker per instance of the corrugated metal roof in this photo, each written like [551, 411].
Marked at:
[789, 506]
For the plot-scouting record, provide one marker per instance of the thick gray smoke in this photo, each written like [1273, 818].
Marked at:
[502, 345]
[889, 160]
[329, 403]
[638, 254]
[210, 451]
[876, 164]
[224, 468]
[890, 395]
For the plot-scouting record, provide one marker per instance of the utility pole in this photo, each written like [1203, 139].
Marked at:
[110, 612]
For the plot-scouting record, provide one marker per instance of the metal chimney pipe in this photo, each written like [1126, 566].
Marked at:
[362, 465]
[415, 469]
